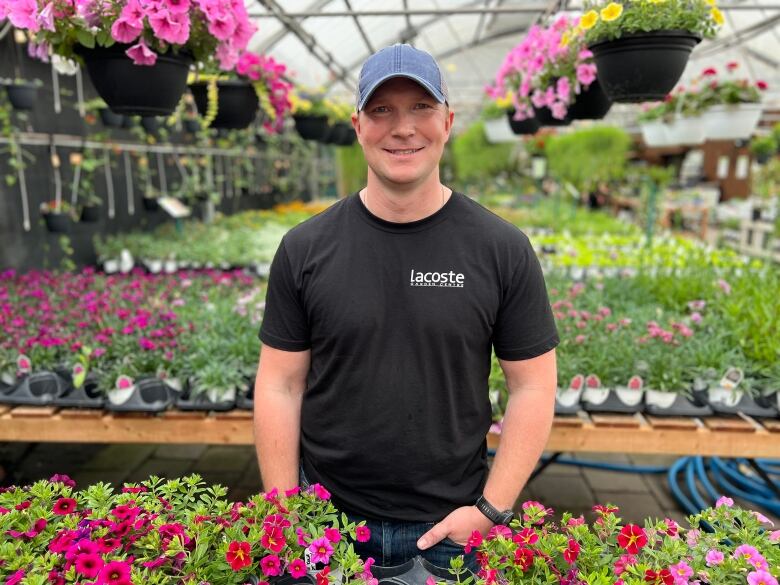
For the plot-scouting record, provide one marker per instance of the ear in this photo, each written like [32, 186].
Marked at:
[448, 123]
[355, 119]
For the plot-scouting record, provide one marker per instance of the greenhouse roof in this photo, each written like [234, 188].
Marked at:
[324, 42]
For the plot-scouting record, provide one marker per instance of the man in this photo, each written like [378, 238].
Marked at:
[380, 317]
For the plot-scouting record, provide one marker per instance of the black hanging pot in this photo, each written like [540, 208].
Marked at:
[591, 104]
[22, 95]
[111, 119]
[337, 133]
[58, 223]
[192, 126]
[349, 137]
[90, 213]
[527, 126]
[142, 90]
[237, 103]
[545, 118]
[311, 127]
[644, 66]
[150, 203]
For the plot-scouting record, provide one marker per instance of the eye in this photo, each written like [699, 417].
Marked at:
[379, 109]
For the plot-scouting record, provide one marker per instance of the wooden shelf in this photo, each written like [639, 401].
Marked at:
[739, 436]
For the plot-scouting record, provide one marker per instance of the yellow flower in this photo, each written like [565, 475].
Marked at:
[710, 2]
[589, 19]
[717, 15]
[565, 38]
[506, 101]
[611, 12]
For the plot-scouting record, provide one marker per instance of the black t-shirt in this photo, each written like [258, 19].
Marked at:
[400, 319]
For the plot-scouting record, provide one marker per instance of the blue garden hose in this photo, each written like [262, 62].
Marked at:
[704, 480]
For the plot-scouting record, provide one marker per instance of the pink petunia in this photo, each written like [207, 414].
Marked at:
[114, 573]
[724, 501]
[362, 533]
[141, 55]
[46, 17]
[89, 565]
[321, 492]
[23, 14]
[297, 568]
[713, 557]
[15, 578]
[320, 550]
[332, 534]
[761, 578]
[271, 565]
[125, 31]
[750, 554]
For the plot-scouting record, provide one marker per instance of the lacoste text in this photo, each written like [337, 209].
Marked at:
[454, 279]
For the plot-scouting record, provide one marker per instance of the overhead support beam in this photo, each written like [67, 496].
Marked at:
[317, 51]
[739, 37]
[527, 8]
[274, 39]
[359, 26]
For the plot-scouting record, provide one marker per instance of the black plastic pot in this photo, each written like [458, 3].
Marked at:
[545, 118]
[57, 222]
[90, 213]
[336, 134]
[527, 126]
[311, 127]
[111, 119]
[642, 66]
[22, 96]
[39, 388]
[237, 103]
[150, 124]
[192, 126]
[140, 90]
[150, 203]
[591, 104]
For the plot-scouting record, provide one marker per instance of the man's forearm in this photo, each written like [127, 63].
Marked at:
[524, 434]
[277, 423]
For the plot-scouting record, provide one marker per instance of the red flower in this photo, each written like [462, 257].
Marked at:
[273, 539]
[732, 65]
[762, 85]
[322, 576]
[64, 506]
[605, 509]
[474, 541]
[709, 72]
[632, 538]
[362, 533]
[238, 555]
[662, 577]
[572, 551]
[524, 558]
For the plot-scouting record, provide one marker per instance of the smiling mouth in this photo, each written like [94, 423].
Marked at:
[402, 151]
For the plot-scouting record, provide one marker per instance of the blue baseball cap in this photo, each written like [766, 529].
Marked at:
[401, 61]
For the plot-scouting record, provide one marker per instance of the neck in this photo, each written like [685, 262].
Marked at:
[404, 204]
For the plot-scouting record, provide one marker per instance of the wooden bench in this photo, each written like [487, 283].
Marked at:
[739, 436]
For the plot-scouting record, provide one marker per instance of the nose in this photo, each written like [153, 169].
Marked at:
[403, 125]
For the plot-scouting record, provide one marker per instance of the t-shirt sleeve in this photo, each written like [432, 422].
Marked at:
[284, 324]
[525, 326]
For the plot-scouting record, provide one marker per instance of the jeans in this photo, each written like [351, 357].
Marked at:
[394, 542]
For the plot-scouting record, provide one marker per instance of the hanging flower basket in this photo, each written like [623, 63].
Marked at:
[591, 104]
[111, 119]
[58, 223]
[520, 127]
[545, 118]
[686, 130]
[731, 121]
[142, 90]
[654, 134]
[90, 213]
[311, 127]
[22, 95]
[643, 67]
[237, 103]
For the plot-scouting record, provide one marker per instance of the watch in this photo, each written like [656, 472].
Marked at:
[492, 513]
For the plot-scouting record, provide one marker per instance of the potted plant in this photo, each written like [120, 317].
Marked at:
[85, 165]
[548, 72]
[652, 126]
[138, 54]
[22, 93]
[58, 215]
[107, 117]
[310, 114]
[732, 107]
[641, 48]
[340, 131]
[763, 148]
[496, 123]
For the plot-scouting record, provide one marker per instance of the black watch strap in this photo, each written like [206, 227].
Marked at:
[492, 513]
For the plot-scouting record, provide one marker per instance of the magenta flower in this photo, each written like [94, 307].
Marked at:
[114, 573]
[64, 506]
[362, 533]
[724, 501]
[713, 557]
[332, 534]
[681, 571]
[724, 286]
[321, 492]
[141, 54]
[62, 478]
[15, 578]
[751, 555]
[125, 31]
[297, 568]
[761, 578]
[270, 565]
[89, 565]
[320, 550]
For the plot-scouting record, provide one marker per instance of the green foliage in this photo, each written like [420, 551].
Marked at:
[475, 158]
[352, 168]
[589, 156]
[763, 145]
[695, 16]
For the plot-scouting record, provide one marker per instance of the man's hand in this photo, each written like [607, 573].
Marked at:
[457, 526]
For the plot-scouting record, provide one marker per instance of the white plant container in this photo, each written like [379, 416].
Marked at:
[655, 134]
[498, 130]
[731, 122]
[686, 130]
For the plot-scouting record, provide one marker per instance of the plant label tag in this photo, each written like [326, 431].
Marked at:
[635, 383]
[307, 559]
[124, 383]
[24, 364]
[731, 378]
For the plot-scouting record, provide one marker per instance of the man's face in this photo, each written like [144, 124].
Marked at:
[403, 130]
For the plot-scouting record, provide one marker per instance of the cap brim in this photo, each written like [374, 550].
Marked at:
[437, 95]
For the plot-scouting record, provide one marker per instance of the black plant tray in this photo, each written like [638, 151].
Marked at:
[746, 405]
[246, 399]
[148, 395]
[612, 404]
[87, 396]
[682, 406]
[39, 389]
[202, 402]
